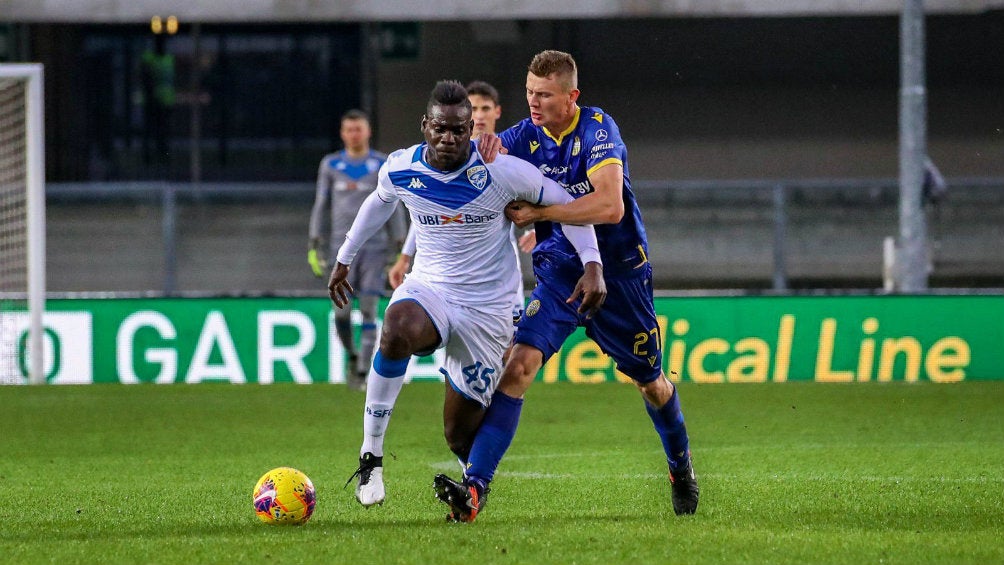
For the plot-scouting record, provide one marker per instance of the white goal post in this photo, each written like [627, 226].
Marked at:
[22, 224]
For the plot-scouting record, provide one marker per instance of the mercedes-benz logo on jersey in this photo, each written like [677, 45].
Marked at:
[478, 176]
[601, 135]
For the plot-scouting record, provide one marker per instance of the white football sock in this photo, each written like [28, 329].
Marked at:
[381, 395]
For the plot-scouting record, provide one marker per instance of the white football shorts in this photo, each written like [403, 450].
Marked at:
[474, 339]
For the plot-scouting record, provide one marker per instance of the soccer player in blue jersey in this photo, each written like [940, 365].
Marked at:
[580, 147]
[344, 180]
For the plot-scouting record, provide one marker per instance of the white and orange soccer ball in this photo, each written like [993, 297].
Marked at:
[284, 496]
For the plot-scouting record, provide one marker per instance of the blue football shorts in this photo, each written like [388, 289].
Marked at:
[625, 328]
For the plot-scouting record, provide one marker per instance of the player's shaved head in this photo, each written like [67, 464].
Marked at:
[559, 64]
[448, 93]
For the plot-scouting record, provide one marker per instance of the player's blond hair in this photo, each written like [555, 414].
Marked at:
[559, 64]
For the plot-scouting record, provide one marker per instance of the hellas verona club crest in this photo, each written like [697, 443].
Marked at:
[533, 308]
[478, 175]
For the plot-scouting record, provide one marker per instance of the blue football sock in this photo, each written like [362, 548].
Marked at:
[668, 422]
[493, 437]
[390, 368]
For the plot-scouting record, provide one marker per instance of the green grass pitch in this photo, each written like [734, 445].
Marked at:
[790, 473]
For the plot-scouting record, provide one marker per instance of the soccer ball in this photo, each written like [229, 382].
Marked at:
[284, 496]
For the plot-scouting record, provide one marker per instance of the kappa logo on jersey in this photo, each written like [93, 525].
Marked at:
[445, 219]
[601, 135]
[416, 183]
[534, 146]
[478, 176]
[598, 117]
[577, 146]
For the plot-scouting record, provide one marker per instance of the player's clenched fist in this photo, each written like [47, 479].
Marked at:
[522, 213]
[339, 288]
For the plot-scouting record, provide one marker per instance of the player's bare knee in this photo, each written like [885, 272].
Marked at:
[396, 339]
[404, 328]
[517, 371]
[395, 345]
[657, 392]
[520, 370]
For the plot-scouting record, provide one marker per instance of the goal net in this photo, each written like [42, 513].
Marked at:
[22, 224]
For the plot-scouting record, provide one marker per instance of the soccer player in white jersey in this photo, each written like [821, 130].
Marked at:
[486, 111]
[459, 293]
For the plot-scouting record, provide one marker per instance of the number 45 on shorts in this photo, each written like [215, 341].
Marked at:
[474, 373]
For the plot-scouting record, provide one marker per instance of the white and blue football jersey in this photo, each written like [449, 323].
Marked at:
[461, 228]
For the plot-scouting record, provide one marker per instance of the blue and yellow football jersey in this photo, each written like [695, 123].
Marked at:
[592, 141]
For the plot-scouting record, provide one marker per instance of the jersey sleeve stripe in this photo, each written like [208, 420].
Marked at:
[604, 163]
[540, 196]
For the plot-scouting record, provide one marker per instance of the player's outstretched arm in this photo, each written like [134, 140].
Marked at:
[372, 215]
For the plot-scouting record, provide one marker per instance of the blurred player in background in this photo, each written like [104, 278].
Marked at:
[459, 294]
[344, 180]
[581, 149]
[485, 106]
[486, 111]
